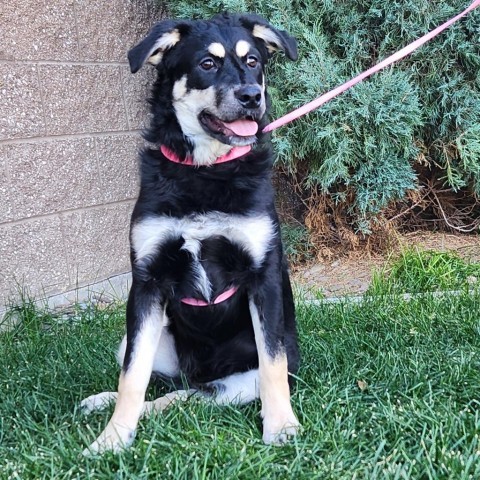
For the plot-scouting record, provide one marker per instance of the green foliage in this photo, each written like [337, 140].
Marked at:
[364, 146]
[296, 243]
[417, 271]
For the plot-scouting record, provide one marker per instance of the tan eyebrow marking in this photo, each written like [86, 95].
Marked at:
[217, 49]
[242, 48]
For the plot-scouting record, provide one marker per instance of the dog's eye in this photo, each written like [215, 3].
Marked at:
[252, 61]
[207, 64]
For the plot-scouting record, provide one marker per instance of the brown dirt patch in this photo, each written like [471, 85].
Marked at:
[351, 275]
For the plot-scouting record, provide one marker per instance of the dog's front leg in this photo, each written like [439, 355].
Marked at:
[145, 320]
[266, 309]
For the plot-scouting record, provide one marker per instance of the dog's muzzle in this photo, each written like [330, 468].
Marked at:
[238, 133]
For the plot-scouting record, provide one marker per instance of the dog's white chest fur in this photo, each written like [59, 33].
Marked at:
[253, 233]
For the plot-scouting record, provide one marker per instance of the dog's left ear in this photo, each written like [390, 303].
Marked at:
[273, 38]
[162, 37]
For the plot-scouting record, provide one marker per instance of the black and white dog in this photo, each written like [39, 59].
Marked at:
[210, 301]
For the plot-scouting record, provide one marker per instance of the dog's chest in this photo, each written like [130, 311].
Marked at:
[252, 234]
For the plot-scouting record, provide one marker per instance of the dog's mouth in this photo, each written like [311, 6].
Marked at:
[238, 133]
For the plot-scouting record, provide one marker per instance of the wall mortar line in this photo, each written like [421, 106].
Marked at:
[100, 206]
[63, 63]
[68, 136]
[122, 84]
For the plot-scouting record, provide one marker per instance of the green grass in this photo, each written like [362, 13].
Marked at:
[415, 416]
[419, 271]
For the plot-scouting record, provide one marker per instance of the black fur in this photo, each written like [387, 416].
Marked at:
[215, 341]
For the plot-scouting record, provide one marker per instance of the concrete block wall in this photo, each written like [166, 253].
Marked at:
[70, 121]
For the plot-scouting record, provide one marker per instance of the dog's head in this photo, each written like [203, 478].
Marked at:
[214, 73]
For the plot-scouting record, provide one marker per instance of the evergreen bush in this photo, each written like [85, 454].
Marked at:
[409, 133]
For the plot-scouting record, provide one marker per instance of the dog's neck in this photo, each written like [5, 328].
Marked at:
[235, 152]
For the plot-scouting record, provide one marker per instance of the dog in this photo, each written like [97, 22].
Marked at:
[210, 302]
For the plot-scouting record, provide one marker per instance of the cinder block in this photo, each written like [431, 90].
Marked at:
[96, 241]
[33, 256]
[50, 176]
[107, 30]
[21, 110]
[82, 99]
[118, 166]
[137, 88]
[38, 30]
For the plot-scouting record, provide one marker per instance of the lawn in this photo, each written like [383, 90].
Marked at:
[387, 389]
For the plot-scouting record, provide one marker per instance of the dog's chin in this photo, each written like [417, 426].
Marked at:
[236, 141]
[219, 130]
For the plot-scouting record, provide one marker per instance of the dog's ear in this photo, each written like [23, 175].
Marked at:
[273, 38]
[162, 37]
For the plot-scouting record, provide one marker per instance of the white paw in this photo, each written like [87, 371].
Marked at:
[97, 402]
[114, 438]
[280, 427]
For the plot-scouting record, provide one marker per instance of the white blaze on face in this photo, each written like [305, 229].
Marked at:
[188, 105]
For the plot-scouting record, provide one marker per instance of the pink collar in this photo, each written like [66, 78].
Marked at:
[196, 302]
[234, 153]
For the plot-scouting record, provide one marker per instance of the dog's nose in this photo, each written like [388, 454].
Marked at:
[249, 96]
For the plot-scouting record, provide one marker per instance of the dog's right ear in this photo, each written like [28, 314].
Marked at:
[162, 37]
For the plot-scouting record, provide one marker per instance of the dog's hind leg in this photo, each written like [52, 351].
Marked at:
[166, 401]
[236, 389]
[100, 401]
[97, 402]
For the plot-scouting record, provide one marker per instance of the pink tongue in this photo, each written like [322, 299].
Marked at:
[243, 128]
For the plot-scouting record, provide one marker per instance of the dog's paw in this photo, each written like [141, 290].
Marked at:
[114, 438]
[280, 427]
[97, 402]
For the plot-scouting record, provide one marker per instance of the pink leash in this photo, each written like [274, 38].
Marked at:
[318, 102]
[384, 63]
